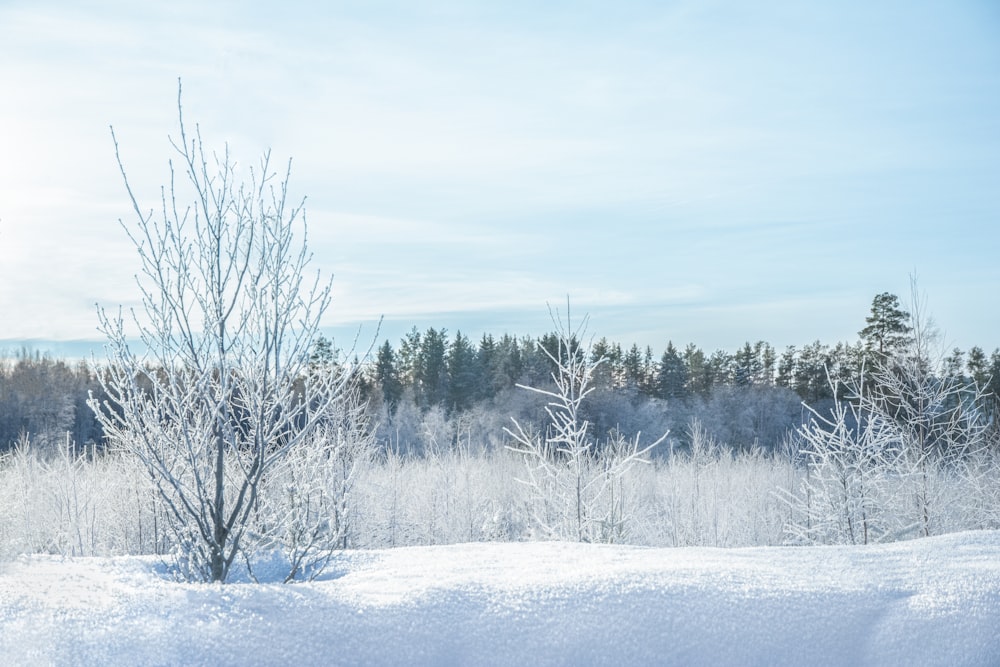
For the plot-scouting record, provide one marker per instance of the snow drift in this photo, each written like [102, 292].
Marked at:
[934, 601]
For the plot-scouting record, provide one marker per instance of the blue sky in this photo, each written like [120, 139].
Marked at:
[713, 172]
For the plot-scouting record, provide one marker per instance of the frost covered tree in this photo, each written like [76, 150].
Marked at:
[216, 390]
[939, 419]
[875, 462]
[305, 508]
[577, 487]
[850, 454]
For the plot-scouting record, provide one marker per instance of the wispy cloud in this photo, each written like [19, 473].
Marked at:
[458, 157]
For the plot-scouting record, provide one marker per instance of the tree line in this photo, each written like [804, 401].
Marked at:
[429, 369]
[45, 397]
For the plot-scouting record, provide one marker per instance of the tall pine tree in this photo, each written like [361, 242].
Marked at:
[672, 375]
[887, 327]
[387, 377]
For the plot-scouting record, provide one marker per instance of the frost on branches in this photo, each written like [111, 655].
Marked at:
[217, 393]
[577, 491]
[881, 466]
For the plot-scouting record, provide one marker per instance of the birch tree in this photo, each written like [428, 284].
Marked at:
[208, 382]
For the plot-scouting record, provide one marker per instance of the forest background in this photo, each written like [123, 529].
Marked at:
[435, 390]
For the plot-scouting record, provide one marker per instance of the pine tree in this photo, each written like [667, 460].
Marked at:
[672, 375]
[786, 368]
[699, 375]
[387, 376]
[489, 380]
[745, 366]
[632, 364]
[510, 363]
[616, 364]
[462, 376]
[978, 366]
[720, 367]
[954, 365]
[323, 353]
[993, 386]
[648, 386]
[887, 329]
[603, 373]
[811, 382]
[767, 359]
[431, 371]
[408, 359]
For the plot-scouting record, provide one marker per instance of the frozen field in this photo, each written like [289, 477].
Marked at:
[926, 602]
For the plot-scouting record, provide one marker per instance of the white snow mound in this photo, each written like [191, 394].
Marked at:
[927, 602]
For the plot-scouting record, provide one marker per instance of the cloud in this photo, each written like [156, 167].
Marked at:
[462, 157]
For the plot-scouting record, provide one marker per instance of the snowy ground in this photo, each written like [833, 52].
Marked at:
[927, 602]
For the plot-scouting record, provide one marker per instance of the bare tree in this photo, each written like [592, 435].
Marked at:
[852, 457]
[578, 490]
[217, 389]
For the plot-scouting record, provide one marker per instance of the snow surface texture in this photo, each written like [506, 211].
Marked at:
[927, 602]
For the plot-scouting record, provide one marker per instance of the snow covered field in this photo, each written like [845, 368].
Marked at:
[927, 602]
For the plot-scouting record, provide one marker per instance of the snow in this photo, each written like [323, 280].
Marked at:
[934, 601]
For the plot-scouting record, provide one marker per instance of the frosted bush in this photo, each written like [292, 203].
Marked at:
[708, 495]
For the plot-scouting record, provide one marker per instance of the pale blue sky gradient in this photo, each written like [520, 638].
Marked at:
[712, 172]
